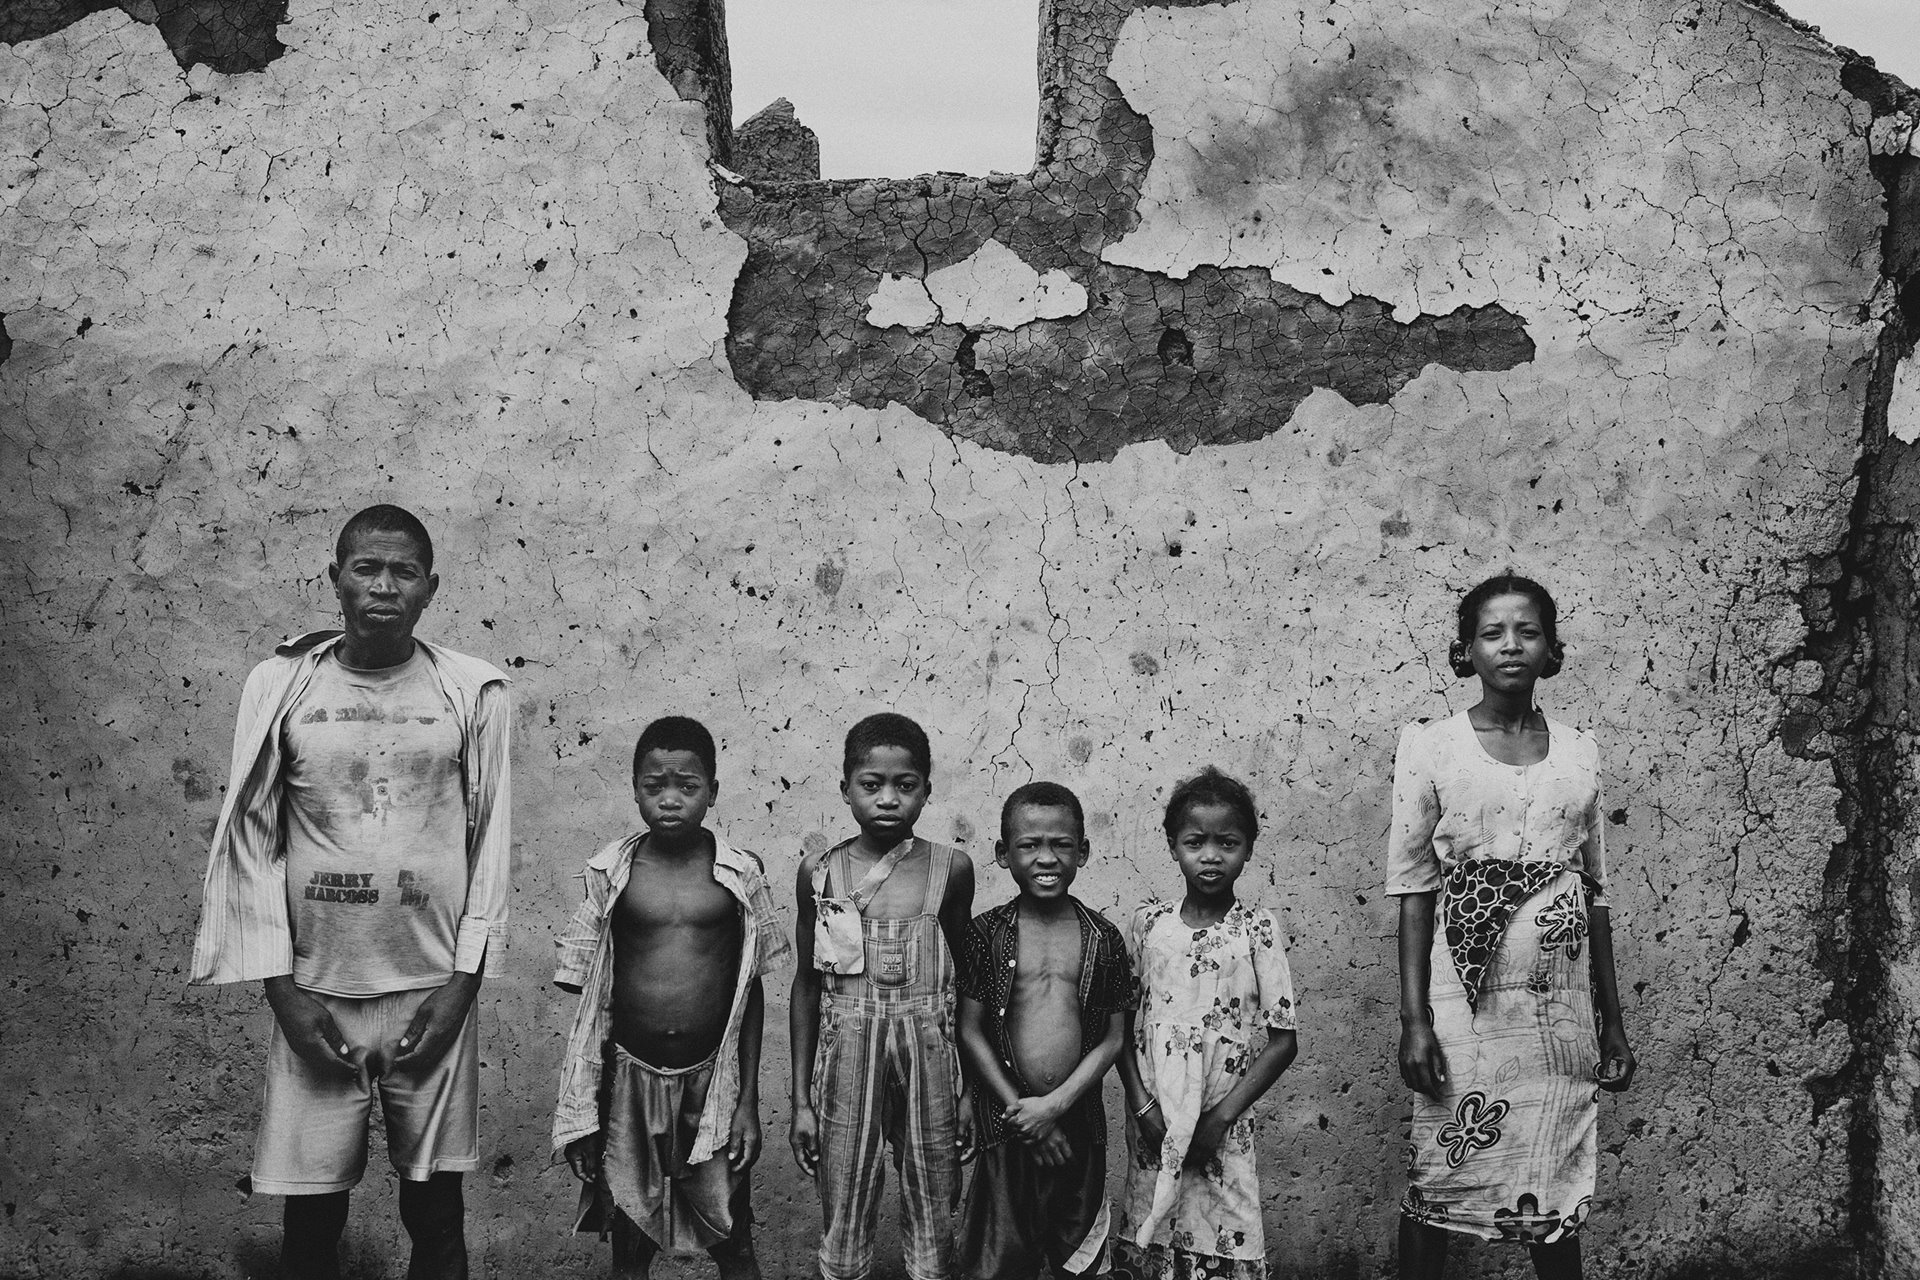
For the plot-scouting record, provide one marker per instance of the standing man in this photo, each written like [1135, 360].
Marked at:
[360, 870]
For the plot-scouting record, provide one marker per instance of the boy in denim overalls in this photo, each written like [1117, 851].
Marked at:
[881, 917]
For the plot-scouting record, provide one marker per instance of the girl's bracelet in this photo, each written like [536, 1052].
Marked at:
[1141, 1114]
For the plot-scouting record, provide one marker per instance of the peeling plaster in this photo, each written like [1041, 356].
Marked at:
[992, 289]
[902, 301]
[1903, 409]
[230, 36]
[1212, 357]
[1436, 156]
[995, 289]
[1895, 134]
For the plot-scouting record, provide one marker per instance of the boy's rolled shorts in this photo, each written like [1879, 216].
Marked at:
[313, 1124]
[651, 1122]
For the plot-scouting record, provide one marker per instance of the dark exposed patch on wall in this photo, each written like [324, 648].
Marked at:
[773, 146]
[30, 19]
[230, 36]
[1223, 355]
[1248, 352]
[689, 39]
[6, 341]
[1860, 609]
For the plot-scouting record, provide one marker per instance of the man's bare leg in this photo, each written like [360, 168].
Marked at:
[310, 1236]
[434, 1214]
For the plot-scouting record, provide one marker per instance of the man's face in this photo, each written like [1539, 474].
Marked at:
[383, 585]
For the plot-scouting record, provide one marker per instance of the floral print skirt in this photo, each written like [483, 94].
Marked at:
[1508, 1151]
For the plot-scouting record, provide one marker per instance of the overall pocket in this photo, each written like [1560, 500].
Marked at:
[891, 962]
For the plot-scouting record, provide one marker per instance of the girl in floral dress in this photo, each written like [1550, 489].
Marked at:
[1213, 973]
[1495, 853]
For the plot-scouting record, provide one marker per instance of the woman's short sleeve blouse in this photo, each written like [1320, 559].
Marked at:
[1452, 802]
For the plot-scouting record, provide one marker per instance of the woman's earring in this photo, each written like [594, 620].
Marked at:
[1457, 657]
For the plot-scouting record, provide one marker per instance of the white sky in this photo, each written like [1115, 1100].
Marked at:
[895, 88]
[1886, 30]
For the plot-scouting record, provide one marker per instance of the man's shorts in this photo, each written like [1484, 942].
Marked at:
[313, 1124]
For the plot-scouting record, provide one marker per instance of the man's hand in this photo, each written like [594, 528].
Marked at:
[1423, 1064]
[743, 1143]
[436, 1024]
[308, 1027]
[583, 1156]
[805, 1139]
[1032, 1119]
[1203, 1152]
[1617, 1062]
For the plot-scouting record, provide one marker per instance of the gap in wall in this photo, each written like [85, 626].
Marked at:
[895, 88]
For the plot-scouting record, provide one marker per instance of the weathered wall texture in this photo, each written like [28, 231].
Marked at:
[1309, 315]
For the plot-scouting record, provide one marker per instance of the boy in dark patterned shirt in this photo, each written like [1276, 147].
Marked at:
[1044, 989]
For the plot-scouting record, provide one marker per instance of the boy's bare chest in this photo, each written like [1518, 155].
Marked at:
[902, 895]
[674, 898]
[1049, 957]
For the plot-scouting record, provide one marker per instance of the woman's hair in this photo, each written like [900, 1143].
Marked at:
[1210, 786]
[1506, 584]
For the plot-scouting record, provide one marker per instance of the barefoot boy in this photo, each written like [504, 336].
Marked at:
[1044, 989]
[662, 1120]
[873, 1053]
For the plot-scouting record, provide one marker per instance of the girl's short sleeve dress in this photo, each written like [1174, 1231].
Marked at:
[1515, 857]
[1205, 993]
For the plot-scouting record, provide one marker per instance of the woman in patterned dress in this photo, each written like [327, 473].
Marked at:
[1496, 836]
[1213, 979]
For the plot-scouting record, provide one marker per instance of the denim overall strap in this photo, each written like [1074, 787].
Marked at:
[887, 1075]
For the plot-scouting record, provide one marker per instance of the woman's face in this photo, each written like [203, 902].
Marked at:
[1509, 646]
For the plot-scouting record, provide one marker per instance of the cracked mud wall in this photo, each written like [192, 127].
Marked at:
[1861, 606]
[474, 261]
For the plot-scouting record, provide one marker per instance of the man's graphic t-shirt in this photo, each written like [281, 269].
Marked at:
[376, 829]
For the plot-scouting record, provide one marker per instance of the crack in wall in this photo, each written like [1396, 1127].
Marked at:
[1859, 606]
